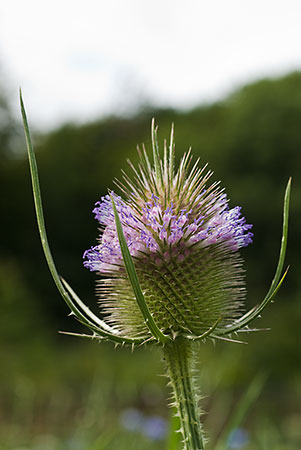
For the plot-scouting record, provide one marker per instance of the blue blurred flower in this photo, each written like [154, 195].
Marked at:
[154, 427]
[238, 438]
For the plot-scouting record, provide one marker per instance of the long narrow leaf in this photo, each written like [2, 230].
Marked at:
[104, 335]
[85, 308]
[206, 333]
[43, 235]
[277, 280]
[255, 312]
[97, 337]
[132, 275]
[284, 237]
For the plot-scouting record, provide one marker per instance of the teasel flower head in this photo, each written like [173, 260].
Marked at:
[183, 238]
[167, 254]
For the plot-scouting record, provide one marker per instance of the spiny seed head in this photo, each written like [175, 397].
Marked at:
[183, 239]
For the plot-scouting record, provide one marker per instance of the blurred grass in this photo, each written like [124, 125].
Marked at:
[74, 393]
[59, 395]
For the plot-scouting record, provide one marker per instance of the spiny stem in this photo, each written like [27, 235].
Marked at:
[178, 356]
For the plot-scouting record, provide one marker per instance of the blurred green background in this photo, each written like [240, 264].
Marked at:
[59, 392]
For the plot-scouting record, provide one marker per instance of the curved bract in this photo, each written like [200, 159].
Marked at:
[99, 328]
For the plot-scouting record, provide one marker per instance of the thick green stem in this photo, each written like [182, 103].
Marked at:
[178, 356]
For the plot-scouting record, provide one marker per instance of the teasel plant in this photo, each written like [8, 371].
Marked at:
[169, 268]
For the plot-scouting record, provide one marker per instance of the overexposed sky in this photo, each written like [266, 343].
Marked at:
[78, 60]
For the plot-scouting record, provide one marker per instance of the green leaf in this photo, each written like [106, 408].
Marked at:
[133, 278]
[88, 318]
[206, 333]
[277, 280]
[284, 238]
[106, 332]
[85, 308]
[253, 313]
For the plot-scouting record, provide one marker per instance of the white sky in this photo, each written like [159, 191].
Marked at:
[81, 59]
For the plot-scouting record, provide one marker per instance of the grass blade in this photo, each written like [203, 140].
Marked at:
[241, 410]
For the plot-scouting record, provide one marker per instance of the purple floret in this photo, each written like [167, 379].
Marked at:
[158, 231]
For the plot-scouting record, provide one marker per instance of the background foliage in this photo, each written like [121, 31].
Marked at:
[57, 389]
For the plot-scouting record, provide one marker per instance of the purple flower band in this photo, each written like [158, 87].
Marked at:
[165, 232]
